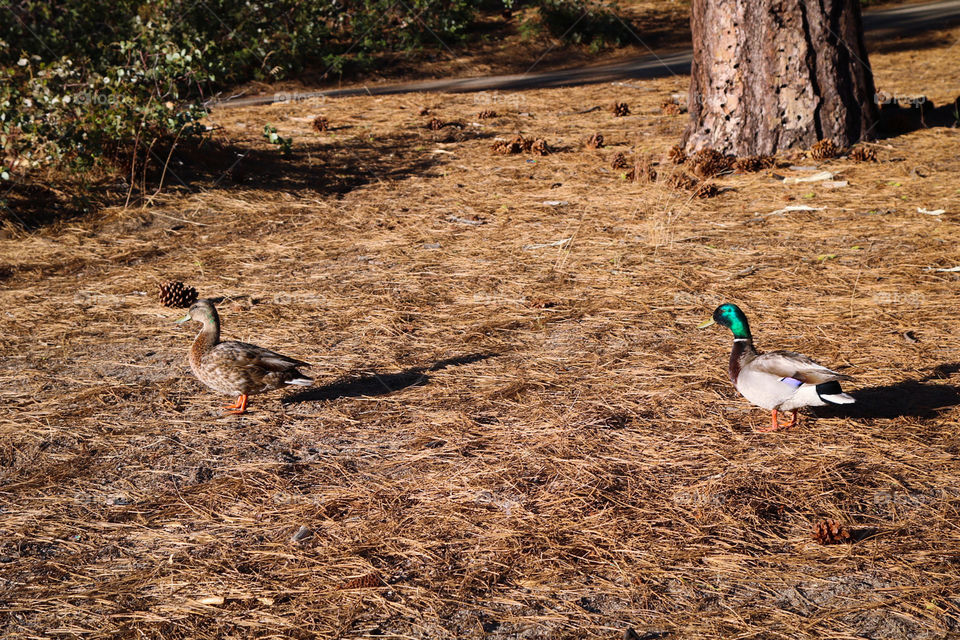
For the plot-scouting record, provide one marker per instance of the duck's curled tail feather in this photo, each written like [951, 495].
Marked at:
[831, 393]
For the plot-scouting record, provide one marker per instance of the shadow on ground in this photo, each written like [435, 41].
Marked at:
[381, 384]
[910, 398]
[896, 119]
[315, 164]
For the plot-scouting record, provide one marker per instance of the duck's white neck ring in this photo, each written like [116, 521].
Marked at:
[743, 339]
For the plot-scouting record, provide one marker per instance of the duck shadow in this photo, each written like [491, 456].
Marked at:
[381, 384]
[909, 398]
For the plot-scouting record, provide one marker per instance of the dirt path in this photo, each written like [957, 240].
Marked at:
[887, 22]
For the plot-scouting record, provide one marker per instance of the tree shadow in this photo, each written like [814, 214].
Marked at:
[381, 384]
[316, 162]
[910, 398]
[916, 113]
[879, 43]
[31, 206]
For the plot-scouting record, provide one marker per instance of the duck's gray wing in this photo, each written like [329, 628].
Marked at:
[788, 364]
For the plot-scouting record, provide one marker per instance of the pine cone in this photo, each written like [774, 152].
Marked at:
[619, 162]
[177, 295]
[320, 124]
[706, 190]
[539, 147]
[752, 164]
[824, 150]
[830, 532]
[671, 108]
[677, 155]
[595, 141]
[707, 163]
[621, 109]
[516, 145]
[487, 113]
[435, 124]
[642, 171]
[682, 181]
[863, 154]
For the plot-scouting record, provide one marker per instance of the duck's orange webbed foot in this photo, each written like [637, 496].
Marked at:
[240, 406]
[775, 422]
[793, 421]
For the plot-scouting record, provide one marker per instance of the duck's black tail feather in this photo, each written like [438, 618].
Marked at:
[831, 393]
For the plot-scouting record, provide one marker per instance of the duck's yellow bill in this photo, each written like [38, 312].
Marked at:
[706, 323]
[183, 319]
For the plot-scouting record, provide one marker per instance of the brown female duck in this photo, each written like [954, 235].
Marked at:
[237, 368]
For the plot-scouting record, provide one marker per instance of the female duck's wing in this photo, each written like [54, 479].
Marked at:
[794, 366]
[242, 354]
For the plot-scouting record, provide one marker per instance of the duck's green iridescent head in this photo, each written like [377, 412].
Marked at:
[730, 316]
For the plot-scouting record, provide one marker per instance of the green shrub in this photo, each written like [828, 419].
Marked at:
[585, 22]
[82, 81]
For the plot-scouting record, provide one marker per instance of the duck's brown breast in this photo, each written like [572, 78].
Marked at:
[742, 353]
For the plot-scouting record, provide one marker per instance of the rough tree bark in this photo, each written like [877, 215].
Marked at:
[770, 75]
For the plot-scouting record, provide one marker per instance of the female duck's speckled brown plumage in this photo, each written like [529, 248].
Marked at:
[237, 368]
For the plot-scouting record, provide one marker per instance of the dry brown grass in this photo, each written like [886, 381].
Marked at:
[517, 431]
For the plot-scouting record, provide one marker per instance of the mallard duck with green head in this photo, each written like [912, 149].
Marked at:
[776, 380]
[237, 368]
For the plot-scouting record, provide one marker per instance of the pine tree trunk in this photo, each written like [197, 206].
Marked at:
[770, 75]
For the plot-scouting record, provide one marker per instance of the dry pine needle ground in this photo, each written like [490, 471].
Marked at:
[516, 429]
